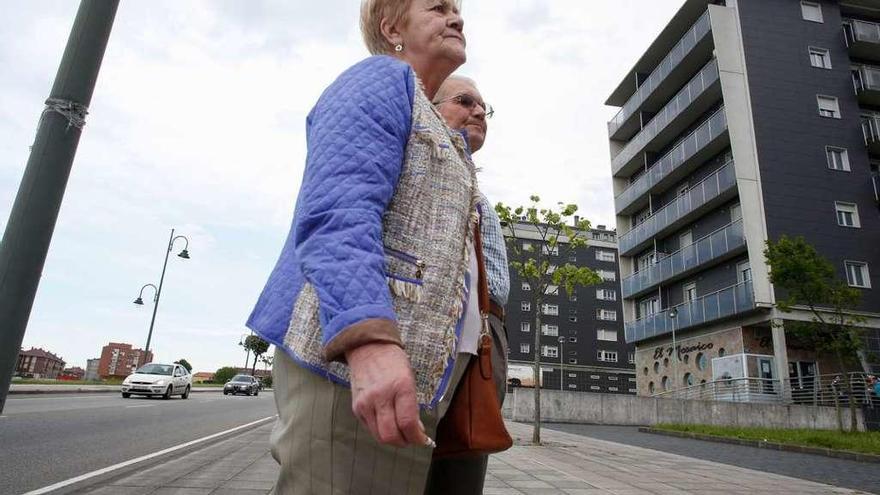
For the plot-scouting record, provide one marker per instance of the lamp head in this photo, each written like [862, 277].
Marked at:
[139, 301]
[184, 254]
[673, 313]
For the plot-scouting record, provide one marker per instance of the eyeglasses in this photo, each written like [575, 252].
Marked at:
[467, 101]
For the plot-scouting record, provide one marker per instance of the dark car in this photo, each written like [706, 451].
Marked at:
[242, 384]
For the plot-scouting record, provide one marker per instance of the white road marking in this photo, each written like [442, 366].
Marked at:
[99, 472]
[145, 405]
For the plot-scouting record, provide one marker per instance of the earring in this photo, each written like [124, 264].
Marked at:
[398, 48]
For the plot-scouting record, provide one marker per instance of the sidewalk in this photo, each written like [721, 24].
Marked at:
[568, 464]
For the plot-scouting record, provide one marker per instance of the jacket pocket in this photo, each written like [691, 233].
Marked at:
[405, 274]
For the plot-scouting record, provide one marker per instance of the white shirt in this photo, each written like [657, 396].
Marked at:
[473, 324]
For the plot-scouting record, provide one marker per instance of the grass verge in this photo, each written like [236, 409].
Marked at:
[861, 442]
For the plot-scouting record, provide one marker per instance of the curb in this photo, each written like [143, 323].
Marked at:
[89, 391]
[837, 454]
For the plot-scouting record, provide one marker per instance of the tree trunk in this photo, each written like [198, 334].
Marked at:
[536, 434]
[254, 368]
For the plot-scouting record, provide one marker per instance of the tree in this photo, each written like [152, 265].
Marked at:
[256, 345]
[185, 364]
[557, 240]
[809, 280]
[224, 374]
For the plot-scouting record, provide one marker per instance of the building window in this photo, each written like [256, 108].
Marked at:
[631, 359]
[572, 339]
[651, 388]
[525, 306]
[606, 294]
[664, 382]
[550, 330]
[811, 11]
[572, 361]
[603, 255]
[552, 290]
[828, 106]
[525, 326]
[612, 378]
[606, 315]
[847, 214]
[743, 272]
[554, 251]
[572, 385]
[688, 379]
[594, 387]
[573, 297]
[857, 274]
[606, 335]
[606, 356]
[702, 361]
[722, 352]
[550, 351]
[838, 158]
[612, 389]
[572, 259]
[649, 306]
[820, 58]
[573, 318]
[594, 377]
[551, 309]
[690, 292]
[646, 260]
[524, 348]
[526, 286]
[606, 275]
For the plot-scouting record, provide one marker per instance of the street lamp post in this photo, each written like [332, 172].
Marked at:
[140, 302]
[673, 313]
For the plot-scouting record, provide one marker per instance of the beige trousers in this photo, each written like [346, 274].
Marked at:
[324, 450]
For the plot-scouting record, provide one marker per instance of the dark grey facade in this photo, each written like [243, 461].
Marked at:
[744, 121]
[593, 355]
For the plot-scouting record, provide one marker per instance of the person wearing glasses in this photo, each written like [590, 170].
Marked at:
[368, 305]
[460, 103]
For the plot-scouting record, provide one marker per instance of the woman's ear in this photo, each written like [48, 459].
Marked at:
[391, 32]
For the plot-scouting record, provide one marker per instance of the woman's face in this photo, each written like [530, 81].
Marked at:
[433, 32]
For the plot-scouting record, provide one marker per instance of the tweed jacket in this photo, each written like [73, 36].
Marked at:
[386, 207]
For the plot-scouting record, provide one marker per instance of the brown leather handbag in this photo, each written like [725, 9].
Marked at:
[473, 425]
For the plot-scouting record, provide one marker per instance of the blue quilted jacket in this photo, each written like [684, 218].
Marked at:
[357, 135]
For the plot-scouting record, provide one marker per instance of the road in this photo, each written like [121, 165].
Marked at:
[50, 438]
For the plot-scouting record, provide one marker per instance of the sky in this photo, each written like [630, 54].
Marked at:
[197, 124]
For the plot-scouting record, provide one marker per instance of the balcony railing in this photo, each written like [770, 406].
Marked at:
[861, 31]
[708, 189]
[866, 78]
[684, 46]
[694, 88]
[727, 302]
[871, 129]
[714, 246]
[683, 151]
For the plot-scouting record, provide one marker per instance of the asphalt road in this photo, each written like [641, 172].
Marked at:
[50, 438]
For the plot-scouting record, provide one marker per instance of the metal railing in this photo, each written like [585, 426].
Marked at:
[681, 49]
[866, 78]
[719, 243]
[862, 31]
[707, 76]
[706, 190]
[871, 129]
[726, 302]
[683, 151]
[818, 390]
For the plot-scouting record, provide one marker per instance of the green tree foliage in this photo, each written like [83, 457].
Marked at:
[185, 364]
[224, 374]
[546, 264]
[809, 281]
[257, 346]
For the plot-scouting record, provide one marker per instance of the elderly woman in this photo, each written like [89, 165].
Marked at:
[369, 302]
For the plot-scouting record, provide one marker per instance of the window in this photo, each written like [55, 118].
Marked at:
[606, 314]
[606, 294]
[550, 351]
[651, 388]
[552, 290]
[847, 214]
[664, 382]
[690, 292]
[572, 385]
[736, 212]
[607, 335]
[573, 340]
[572, 259]
[743, 272]
[838, 158]
[649, 306]
[526, 286]
[525, 326]
[722, 352]
[702, 361]
[688, 379]
[594, 377]
[603, 255]
[551, 309]
[612, 389]
[646, 260]
[641, 216]
[631, 359]
[811, 11]
[524, 348]
[607, 356]
[572, 361]
[573, 318]
[682, 189]
[572, 375]
[554, 251]
[612, 378]
[607, 275]
[828, 106]
[820, 58]
[594, 387]
[573, 297]
[525, 306]
[550, 330]
[857, 274]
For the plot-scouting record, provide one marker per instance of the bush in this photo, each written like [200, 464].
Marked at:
[224, 374]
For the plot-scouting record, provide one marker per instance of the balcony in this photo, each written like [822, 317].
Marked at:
[871, 132]
[734, 300]
[862, 39]
[694, 99]
[720, 245]
[698, 146]
[695, 40]
[710, 192]
[866, 80]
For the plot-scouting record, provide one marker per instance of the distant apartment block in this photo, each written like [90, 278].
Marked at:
[745, 120]
[92, 369]
[38, 363]
[120, 360]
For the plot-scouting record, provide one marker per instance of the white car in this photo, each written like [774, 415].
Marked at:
[158, 379]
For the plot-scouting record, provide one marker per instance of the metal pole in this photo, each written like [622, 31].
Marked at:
[158, 293]
[32, 219]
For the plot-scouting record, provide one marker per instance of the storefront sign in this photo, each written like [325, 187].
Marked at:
[682, 350]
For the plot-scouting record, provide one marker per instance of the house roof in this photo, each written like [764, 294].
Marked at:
[40, 353]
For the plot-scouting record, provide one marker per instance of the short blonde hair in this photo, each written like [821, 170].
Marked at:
[372, 13]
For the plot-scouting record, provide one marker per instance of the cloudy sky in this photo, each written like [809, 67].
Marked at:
[197, 124]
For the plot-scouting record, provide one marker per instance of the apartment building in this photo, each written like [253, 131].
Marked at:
[582, 342]
[743, 121]
[119, 360]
